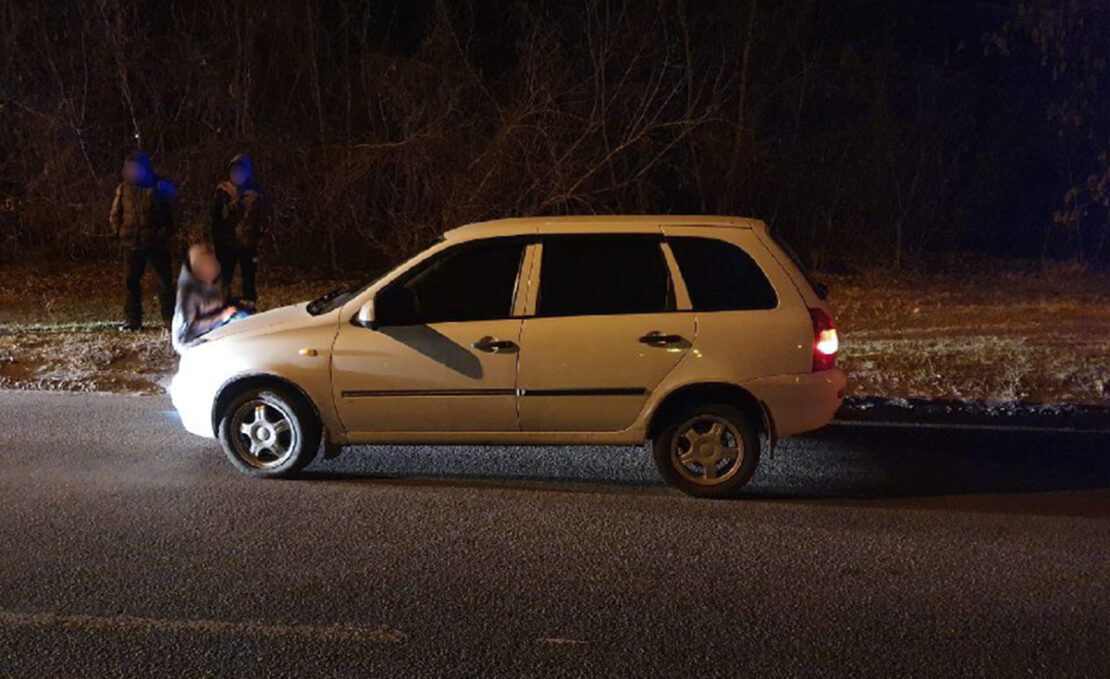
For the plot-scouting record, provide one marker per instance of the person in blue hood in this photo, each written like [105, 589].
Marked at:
[238, 219]
[142, 220]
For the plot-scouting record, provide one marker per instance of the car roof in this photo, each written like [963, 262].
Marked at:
[518, 226]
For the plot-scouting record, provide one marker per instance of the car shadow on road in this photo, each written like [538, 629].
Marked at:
[875, 461]
[850, 462]
[555, 468]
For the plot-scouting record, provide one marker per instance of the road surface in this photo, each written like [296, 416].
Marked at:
[129, 548]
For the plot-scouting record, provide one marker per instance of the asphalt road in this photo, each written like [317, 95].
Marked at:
[129, 548]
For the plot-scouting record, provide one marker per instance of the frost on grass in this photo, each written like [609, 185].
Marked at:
[92, 358]
[983, 333]
[60, 332]
[964, 330]
[978, 368]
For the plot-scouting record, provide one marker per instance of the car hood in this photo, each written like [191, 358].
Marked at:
[283, 317]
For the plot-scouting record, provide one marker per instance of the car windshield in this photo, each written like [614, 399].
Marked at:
[334, 299]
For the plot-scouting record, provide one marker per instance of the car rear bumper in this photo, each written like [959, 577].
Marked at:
[802, 402]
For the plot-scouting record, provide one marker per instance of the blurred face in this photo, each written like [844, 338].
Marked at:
[239, 176]
[204, 264]
[134, 173]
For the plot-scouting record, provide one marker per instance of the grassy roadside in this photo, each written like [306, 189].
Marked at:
[59, 332]
[957, 330]
[977, 330]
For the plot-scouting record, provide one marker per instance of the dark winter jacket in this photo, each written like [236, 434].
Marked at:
[238, 212]
[142, 214]
[199, 305]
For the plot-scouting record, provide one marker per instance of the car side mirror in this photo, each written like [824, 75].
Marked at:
[822, 291]
[365, 317]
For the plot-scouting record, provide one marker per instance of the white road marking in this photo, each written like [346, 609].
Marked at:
[558, 641]
[126, 623]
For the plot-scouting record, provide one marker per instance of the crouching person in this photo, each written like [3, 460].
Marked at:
[201, 298]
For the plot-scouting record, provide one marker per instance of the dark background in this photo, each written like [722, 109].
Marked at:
[868, 132]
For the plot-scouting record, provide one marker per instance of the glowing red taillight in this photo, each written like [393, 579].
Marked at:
[825, 341]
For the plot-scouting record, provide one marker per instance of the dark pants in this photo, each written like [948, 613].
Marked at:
[134, 264]
[247, 261]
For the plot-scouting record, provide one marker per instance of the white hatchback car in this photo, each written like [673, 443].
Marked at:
[699, 334]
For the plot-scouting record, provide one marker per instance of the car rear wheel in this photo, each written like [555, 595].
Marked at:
[708, 451]
[269, 432]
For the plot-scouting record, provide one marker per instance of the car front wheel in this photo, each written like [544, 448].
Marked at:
[269, 432]
[708, 451]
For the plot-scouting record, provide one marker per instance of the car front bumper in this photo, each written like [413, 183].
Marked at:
[193, 398]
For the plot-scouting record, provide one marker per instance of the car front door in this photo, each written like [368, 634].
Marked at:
[608, 325]
[442, 351]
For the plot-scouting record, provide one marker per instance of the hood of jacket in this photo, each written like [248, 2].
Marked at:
[142, 159]
[244, 161]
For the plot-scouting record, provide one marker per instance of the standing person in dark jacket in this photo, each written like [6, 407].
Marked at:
[142, 220]
[238, 217]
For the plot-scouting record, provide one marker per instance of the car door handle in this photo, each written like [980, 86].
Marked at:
[658, 339]
[492, 345]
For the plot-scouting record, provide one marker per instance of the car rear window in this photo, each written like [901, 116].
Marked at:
[604, 274]
[721, 277]
[802, 266]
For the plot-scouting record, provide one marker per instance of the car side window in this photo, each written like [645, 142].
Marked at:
[720, 276]
[604, 274]
[469, 282]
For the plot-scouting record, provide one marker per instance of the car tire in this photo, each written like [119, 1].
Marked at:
[269, 432]
[708, 451]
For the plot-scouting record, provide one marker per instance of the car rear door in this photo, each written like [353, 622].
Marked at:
[607, 325]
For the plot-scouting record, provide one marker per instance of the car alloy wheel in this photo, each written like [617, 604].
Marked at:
[262, 434]
[707, 450]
